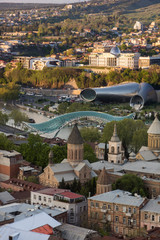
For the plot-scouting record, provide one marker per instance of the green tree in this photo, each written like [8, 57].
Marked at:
[139, 139]
[3, 118]
[126, 129]
[89, 153]
[90, 134]
[35, 151]
[131, 183]
[18, 117]
[5, 143]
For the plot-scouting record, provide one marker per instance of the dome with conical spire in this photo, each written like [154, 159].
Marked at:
[115, 137]
[155, 126]
[75, 136]
[103, 178]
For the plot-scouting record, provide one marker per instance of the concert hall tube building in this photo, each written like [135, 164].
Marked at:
[137, 94]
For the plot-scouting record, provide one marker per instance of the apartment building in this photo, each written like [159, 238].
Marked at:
[10, 161]
[118, 210]
[150, 214]
[75, 204]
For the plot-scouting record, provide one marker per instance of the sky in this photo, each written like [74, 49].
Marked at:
[42, 1]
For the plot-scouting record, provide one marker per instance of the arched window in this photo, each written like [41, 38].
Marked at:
[112, 149]
[118, 149]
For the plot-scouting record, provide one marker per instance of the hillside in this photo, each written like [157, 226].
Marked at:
[137, 9]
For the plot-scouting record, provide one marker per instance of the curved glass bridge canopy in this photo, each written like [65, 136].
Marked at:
[57, 123]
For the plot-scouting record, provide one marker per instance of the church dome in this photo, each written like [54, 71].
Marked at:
[132, 155]
[115, 51]
[75, 136]
[155, 127]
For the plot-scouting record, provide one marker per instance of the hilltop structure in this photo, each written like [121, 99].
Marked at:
[74, 167]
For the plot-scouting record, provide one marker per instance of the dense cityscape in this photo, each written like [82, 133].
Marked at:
[80, 120]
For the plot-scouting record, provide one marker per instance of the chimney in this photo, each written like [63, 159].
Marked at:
[14, 236]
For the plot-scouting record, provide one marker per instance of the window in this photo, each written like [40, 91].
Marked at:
[116, 218]
[134, 222]
[124, 209]
[104, 216]
[84, 208]
[92, 204]
[129, 210]
[80, 209]
[134, 210]
[112, 149]
[145, 216]
[124, 220]
[104, 206]
[39, 198]
[97, 204]
[129, 221]
[109, 206]
[116, 229]
[49, 200]
[34, 196]
[44, 199]
[153, 218]
[116, 208]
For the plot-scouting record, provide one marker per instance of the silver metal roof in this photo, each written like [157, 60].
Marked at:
[35, 221]
[119, 197]
[7, 230]
[152, 206]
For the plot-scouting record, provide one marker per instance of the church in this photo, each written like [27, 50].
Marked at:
[74, 167]
[152, 151]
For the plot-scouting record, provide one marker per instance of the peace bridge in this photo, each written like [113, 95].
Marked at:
[57, 123]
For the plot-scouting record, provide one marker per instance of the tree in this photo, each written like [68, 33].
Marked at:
[3, 118]
[131, 183]
[18, 117]
[35, 151]
[5, 143]
[89, 153]
[90, 134]
[125, 129]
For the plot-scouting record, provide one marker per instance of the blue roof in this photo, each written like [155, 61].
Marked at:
[59, 122]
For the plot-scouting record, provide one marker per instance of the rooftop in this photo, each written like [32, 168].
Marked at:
[119, 197]
[153, 205]
[71, 195]
[75, 136]
[155, 127]
[51, 191]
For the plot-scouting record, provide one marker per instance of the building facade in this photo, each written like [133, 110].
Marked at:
[115, 59]
[118, 210]
[74, 204]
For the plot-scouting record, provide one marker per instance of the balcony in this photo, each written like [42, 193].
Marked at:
[103, 210]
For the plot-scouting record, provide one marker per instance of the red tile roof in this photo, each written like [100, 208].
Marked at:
[71, 195]
[46, 229]
[52, 191]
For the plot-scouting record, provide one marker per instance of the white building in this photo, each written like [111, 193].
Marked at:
[75, 204]
[138, 26]
[40, 63]
[114, 59]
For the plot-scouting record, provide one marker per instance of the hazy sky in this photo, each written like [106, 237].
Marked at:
[42, 1]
